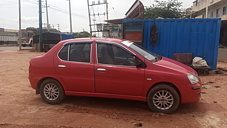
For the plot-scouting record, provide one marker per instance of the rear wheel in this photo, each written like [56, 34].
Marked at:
[51, 91]
[163, 98]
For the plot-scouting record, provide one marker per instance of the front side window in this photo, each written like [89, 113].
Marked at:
[115, 55]
[77, 52]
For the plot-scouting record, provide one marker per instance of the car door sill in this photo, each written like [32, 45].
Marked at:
[105, 95]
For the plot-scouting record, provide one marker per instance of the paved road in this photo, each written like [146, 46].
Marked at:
[14, 48]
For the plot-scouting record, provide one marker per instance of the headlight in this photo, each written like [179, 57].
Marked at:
[193, 79]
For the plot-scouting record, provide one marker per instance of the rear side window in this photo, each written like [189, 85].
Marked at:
[63, 54]
[76, 52]
[80, 52]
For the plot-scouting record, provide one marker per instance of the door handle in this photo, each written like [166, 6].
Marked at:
[101, 69]
[62, 66]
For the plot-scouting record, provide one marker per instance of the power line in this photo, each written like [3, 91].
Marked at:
[65, 11]
[3, 5]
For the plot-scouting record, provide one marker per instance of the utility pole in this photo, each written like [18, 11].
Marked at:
[58, 27]
[19, 34]
[98, 3]
[107, 18]
[70, 17]
[48, 25]
[40, 27]
[89, 14]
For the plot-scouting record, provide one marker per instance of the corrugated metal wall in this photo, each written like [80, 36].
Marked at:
[8, 38]
[197, 36]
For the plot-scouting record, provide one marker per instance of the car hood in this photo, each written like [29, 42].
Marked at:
[173, 65]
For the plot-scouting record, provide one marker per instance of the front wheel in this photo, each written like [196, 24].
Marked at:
[51, 91]
[163, 98]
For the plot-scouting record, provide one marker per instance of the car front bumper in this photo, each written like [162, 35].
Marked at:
[192, 93]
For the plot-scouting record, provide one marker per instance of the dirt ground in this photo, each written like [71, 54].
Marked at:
[20, 107]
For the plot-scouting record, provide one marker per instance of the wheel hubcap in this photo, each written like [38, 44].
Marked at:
[163, 100]
[51, 91]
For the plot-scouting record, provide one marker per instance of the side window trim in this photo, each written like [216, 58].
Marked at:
[68, 52]
[69, 43]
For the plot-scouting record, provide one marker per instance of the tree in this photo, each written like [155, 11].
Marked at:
[164, 9]
[81, 34]
[188, 13]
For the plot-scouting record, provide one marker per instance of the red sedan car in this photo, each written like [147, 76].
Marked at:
[113, 68]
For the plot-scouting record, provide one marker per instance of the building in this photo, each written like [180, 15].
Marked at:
[210, 9]
[114, 27]
[213, 9]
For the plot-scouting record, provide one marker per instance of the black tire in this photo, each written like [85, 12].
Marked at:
[163, 94]
[51, 91]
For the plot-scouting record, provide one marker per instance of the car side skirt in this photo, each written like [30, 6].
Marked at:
[104, 95]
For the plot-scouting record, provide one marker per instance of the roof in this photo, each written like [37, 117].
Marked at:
[131, 7]
[115, 21]
[91, 39]
[135, 10]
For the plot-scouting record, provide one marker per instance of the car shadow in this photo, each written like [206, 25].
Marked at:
[106, 104]
[97, 105]
[199, 107]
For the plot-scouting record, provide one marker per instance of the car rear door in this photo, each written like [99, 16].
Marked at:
[116, 71]
[73, 64]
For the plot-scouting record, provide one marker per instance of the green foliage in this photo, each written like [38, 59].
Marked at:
[164, 9]
[188, 13]
[35, 30]
[81, 34]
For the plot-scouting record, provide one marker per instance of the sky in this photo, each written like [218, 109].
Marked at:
[58, 12]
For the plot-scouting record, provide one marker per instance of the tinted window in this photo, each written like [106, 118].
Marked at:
[80, 52]
[113, 54]
[63, 54]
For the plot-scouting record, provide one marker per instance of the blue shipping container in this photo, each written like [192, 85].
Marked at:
[65, 36]
[197, 36]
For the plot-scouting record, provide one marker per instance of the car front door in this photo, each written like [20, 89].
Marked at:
[116, 71]
[73, 64]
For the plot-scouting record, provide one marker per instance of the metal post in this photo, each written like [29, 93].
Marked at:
[108, 26]
[207, 7]
[58, 27]
[89, 18]
[70, 17]
[19, 34]
[107, 10]
[48, 25]
[40, 27]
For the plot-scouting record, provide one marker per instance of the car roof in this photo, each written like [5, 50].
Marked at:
[114, 40]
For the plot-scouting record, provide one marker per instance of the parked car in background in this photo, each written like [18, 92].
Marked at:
[113, 68]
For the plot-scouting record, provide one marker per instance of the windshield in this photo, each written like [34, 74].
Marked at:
[142, 51]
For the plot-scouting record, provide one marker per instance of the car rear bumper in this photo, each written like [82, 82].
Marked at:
[34, 81]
